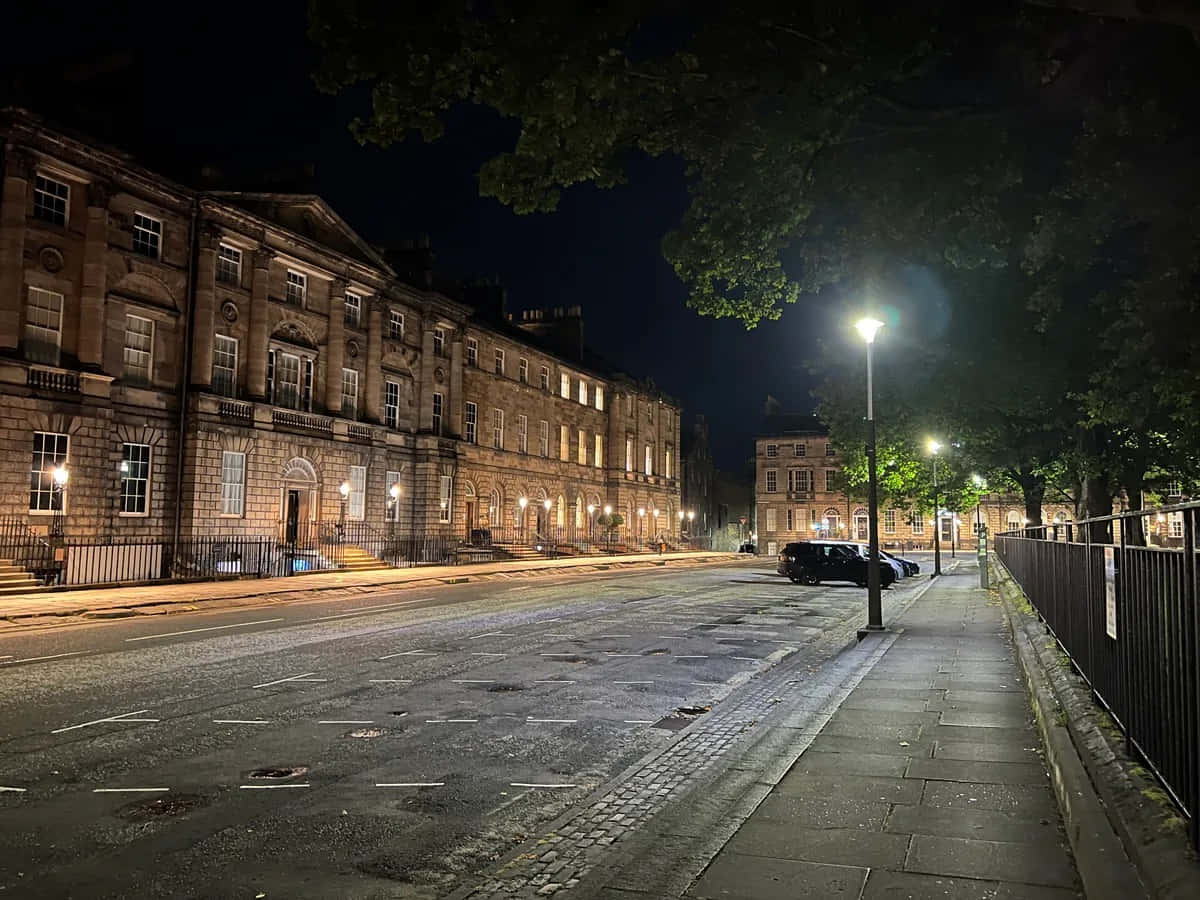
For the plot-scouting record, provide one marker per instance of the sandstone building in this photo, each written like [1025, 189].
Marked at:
[216, 362]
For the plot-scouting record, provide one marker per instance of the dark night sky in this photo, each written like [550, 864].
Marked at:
[231, 90]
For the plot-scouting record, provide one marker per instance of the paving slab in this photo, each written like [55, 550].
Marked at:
[884, 884]
[1042, 863]
[734, 875]
[818, 762]
[979, 824]
[943, 769]
[976, 795]
[839, 846]
[850, 786]
[989, 751]
[840, 743]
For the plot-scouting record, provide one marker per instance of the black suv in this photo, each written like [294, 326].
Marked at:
[811, 562]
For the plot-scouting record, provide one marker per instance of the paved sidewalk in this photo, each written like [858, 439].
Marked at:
[150, 598]
[927, 782]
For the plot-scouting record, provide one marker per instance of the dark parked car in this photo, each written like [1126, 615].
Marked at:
[910, 567]
[811, 562]
[747, 547]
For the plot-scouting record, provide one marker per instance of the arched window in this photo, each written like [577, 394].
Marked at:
[1012, 520]
[579, 511]
[561, 517]
[831, 522]
[494, 507]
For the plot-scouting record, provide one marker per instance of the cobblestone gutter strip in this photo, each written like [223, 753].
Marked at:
[1107, 807]
[581, 842]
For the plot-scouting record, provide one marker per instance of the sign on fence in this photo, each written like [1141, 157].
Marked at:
[1110, 592]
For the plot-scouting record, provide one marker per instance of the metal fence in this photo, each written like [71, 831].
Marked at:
[1126, 616]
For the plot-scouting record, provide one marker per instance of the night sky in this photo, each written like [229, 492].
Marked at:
[230, 92]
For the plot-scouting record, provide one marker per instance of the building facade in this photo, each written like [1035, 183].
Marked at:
[244, 363]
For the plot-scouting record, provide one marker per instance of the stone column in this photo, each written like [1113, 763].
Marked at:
[335, 346]
[260, 336]
[453, 413]
[427, 386]
[18, 170]
[374, 405]
[206, 309]
[92, 294]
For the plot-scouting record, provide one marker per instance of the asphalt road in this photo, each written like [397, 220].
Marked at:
[348, 746]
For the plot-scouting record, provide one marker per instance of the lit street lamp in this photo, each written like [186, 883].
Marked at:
[934, 447]
[60, 475]
[393, 507]
[641, 520]
[522, 502]
[868, 328]
[344, 490]
[591, 509]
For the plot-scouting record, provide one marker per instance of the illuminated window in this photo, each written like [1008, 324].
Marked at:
[49, 451]
[233, 483]
[628, 454]
[352, 310]
[564, 443]
[43, 326]
[564, 385]
[772, 481]
[135, 479]
[445, 497]
[544, 378]
[439, 342]
[581, 449]
[139, 346]
[583, 392]
[224, 373]
[229, 264]
[357, 499]
[391, 504]
[471, 422]
[649, 460]
[770, 518]
[598, 450]
[599, 392]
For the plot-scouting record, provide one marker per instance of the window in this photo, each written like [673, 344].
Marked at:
[544, 378]
[889, 521]
[800, 450]
[544, 439]
[581, 449]
[499, 361]
[829, 478]
[564, 385]
[498, 429]
[135, 479]
[829, 451]
[50, 200]
[564, 444]
[139, 346]
[599, 392]
[396, 325]
[437, 413]
[49, 450]
[650, 412]
[628, 454]
[43, 326]
[445, 494]
[598, 450]
[286, 380]
[1174, 489]
[789, 518]
[583, 392]
[472, 352]
[629, 405]
[233, 483]
[523, 370]
[770, 518]
[147, 236]
[772, 481]
[1175, 524]
[649, 460]
[391, 503]
[224, 373]
[667, 463]
[523, 434]
[357, 500]
[296, 288]
[800, 480]
[471, 422]
[352, 310]
[772, 451]
[391, 404]
[918, 522]
[439, 342]
[306, 392]
[1013, 520]
[229, 264]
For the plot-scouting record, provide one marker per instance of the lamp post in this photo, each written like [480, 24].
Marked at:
[394, 507]
[344, 491]
[522, 502]
[691, 517]
[546, 507]
[60, 475]
[868, 328]
[934, 447]
[609, 526]
[591, 509]
[641, 520]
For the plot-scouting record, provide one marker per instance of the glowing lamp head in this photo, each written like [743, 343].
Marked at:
[344, 489]
[656, 514]
[60, 475]
[591, 508]
[546, 505]
[607, 510]
[978, 481]
[868, 328]
[934, 446]
[691, 515]
[394, 490]
[641, 510]
[523, 502]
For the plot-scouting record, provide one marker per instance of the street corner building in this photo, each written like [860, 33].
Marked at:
[190, 372]
[798, 497]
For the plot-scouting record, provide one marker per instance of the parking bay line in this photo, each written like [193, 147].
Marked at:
[130, 790]
[268, 787]
[124, 717]
[526, 784]
[13, 662]
[150, 637]
[472, 681]
[409, 784]
[303, 676]
[409, 653]
[241, 721]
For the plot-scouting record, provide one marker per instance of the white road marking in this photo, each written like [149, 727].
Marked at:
[472, 681]
[556, 654]
[409, 653]
[6, 656]
[671, 637]
[705, 683]
[612, 636]
[746, 658]
[11, 790]
[552, 619]
[550, 681]
[147, 790]
[410, 784]
[450, 721]
[345, 722]
[526, 784]
[150, 637]
[558, 635]
[303, 676]
[633, 682]
[638, 722]
[476, 637]
[391, 681]
[551, 721]
[690, 656]
[380, 607]
[124, 717]
[241, 721]
[622, 654]
[13, 662]
[268, 787]
[490, 654]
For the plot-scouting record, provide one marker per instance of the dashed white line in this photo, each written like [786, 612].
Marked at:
[390, 681]
[409, 784]
[472, 681]
[498, 655]
[11, 790]
[556, 654]
[241, 721]
[451, 721]
[269, 787]
[622, 654]
[124, 717]
[633, 682]
[550, 681]
[410, 653]
[130, 790]
[704, 683]
[532, 720]
[746, 658]
[611, 637]
[6, 656]
[526, 784]
[13, 662]
[690, 656]
[303, 676]
[345, 722]
[671, 637]
[150, 637]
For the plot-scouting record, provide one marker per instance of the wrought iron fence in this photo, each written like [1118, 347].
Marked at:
[1126, 616]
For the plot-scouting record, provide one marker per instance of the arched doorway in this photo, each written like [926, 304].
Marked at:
[862, 527]
[472, 505]
[299, 502]
[560, 518]
[831, 523]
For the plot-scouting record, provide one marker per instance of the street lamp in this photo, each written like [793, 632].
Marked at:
[934, 447]
[591, 511]
[393, 507]
[522, 502]
[344, 490]
[641, 520]
[60, 475]
[868, 328]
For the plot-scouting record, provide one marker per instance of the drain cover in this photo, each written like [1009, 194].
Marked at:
[505, 688]
[367, 733]
[279, 773]
[167, 805]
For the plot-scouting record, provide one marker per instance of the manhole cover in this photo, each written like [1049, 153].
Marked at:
[692, 710]
[367, 733]
[505, 688]
[166, 805]
[279, 773]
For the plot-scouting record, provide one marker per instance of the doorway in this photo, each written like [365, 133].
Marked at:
[947, 523]
[295, 512]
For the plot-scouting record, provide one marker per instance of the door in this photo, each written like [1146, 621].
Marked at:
[947, 523]
[472, 515]
[861, 527]
[292, 516]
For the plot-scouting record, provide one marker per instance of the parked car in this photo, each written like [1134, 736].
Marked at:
[747, 547]
[811, 562]
[864, 550]
[910, 567]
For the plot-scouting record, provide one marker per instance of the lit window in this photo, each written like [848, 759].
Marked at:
[628, 454]
[147, 236]
[889, 521]
[544, 382]
[352, 310]
[229, 264]
[667, 464]
[1174, 489]
[544, 439]
[772, 481]
[523, 370]
[649, 460]
[770, 518]
[599, 397]
[499, 361]
[391, 404]
[789, 519]
[471, 422]
[497, 429]
[472, 352]
[564, 443]
[50, 200]
[396, 325]
[772, 451]
[139, 345]
[829, 479]
[391, 504]
[437, 413]
[523, 434]
[583, 392]
[564, 385]
[286, 380]
[49, 451]
[43, 326]
[1175, 524]
[581, 449]
[224, 373]
[357, 498]
[233, 483]
[135, 479]
[445, 498]
[297, 287]
[598, 450]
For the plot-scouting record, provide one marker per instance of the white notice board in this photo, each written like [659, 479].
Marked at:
[1110, 592]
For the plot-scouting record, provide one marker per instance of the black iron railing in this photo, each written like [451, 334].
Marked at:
[1126, 615]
